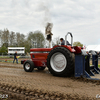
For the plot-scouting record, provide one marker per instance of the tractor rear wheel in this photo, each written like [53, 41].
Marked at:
[28, 66]
[60, 62]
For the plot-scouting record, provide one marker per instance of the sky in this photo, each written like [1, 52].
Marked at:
[80, 17]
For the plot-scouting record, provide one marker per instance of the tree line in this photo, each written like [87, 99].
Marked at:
[17, 39]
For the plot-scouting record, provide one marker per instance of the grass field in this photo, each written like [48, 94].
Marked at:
[4, 57]
[98, 65]
[9, 60]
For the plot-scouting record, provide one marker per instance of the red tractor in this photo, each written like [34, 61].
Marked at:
[60, 59]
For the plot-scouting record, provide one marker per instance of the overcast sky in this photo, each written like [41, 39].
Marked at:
[81, 17]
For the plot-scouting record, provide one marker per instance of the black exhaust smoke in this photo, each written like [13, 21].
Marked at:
[48, 32]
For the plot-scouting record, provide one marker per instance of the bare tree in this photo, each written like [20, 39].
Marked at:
[12, 38]
[5, 37]
[17, 38]
[37, 37]
[20, 38]
[0, 37]
[57, 40]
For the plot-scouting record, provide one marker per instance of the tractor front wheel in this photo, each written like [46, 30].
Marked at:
[28, 66]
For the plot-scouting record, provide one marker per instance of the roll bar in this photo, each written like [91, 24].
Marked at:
[71, 38]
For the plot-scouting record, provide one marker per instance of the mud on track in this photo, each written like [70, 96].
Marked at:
[41, 85]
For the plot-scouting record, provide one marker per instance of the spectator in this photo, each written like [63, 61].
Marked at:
[15, 58]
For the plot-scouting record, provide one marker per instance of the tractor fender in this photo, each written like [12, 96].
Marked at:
[22, 61]
[78, 50]
[70, 48]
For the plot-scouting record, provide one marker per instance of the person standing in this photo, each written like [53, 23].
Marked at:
[15, 57]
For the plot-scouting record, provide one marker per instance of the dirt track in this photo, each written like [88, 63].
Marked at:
[43, 85]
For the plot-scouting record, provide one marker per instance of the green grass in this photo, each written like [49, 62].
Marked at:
[98, 65]
[9, 61]
[4, 57]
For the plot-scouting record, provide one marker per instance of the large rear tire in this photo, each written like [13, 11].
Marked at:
[28, 66]
[60, 62]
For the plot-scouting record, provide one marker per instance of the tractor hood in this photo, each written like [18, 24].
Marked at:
[40, 49]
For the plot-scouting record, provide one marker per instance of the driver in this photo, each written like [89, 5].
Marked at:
[63, 42]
